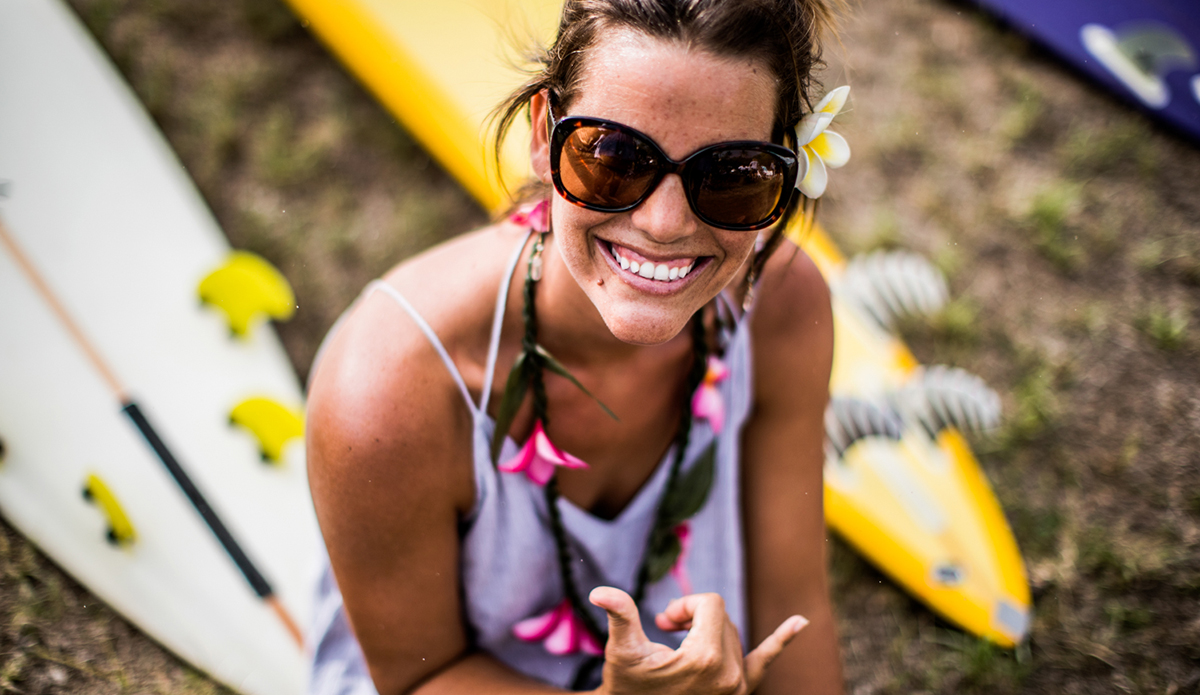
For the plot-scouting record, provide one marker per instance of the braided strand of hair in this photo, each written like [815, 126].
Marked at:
[535, 375]
[537, 382]
[565, 564]
[682, 435]
[529, 339]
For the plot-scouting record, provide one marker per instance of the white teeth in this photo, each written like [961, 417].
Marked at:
[653, 271]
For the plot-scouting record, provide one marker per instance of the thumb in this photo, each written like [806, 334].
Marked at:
[624, 623]
[757, 661]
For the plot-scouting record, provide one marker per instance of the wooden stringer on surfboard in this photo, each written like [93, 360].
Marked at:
[151, 426]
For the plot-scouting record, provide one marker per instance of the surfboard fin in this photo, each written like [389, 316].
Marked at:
[246, 287]
[891, 284]
[120, 529]
[938, 397]
[1139, 55]
[273, 425]
[848, 420]
[935, 398]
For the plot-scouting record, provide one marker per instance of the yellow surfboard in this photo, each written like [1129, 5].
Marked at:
[901, 483]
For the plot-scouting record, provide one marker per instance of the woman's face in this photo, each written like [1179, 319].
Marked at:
[684, 99]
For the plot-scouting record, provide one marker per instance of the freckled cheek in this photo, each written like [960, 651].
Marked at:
[579, 248]
[738, 248]
[577, 237]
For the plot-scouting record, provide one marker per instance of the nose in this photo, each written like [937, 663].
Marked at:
[666, 215]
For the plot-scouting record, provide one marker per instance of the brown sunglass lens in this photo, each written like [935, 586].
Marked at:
[738, 187]
[606, 167]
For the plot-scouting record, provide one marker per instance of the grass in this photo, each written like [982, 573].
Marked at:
[57, 639]
[982, 667]
[1024, 114]
[1050, 218]
[958, 322]
[1166, 329]
[1090, 151]
[1037, 528]
[1092, 320]
[1176, 256]
[1036, 410]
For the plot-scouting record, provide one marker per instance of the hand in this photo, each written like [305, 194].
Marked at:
[709, 660]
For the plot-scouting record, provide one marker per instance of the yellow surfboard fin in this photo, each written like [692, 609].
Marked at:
[120, 529]
[246, 287]
[272, 424]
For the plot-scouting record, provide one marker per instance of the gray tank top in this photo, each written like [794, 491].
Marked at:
[508, 558]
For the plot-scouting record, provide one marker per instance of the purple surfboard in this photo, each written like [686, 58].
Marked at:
[1147, 51]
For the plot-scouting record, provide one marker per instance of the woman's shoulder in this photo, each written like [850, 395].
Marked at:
[792, 297]
[792, 322]
[380, 375]
[451, 283]
[451, 286]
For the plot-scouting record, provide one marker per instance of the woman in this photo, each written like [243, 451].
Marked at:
[498, 533]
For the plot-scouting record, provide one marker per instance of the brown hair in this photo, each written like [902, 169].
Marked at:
[783, 34]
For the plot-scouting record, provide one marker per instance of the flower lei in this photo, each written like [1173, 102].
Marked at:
[569, 627]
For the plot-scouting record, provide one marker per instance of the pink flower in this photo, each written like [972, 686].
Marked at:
[539, 456]
[560, 631]
[707, 402]
[679, 570]
[537, 217]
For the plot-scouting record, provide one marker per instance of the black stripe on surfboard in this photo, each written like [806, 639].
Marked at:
[253, 576]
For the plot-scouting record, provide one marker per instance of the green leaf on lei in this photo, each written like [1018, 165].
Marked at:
[684, 501]
[514, 395]
[663, 552]
[691, 492]
[556, 367]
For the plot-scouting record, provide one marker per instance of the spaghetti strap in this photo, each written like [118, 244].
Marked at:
[428, 331]
[498, 322]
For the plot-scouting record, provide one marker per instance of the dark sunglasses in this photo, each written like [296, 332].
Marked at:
[609, 167]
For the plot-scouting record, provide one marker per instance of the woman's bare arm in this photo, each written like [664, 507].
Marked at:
[782, 473]
[389, 457]
[381, 466]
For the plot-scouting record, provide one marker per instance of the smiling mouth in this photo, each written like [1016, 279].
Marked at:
[669, 271]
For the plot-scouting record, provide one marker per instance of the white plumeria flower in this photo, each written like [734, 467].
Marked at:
[821, 148]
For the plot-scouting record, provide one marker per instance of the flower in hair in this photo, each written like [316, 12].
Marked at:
[536, 217]
[559, 630]
[822, 148]
[538, 457]
[679, 570]
[707, 402]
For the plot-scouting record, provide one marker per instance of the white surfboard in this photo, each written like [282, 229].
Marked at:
[105, 214]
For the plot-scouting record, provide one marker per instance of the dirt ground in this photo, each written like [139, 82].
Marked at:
[1068, 225]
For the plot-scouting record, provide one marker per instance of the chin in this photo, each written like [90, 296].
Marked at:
[641, 328]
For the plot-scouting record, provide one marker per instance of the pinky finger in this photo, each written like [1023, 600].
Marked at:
[665, 624]
[757, 661]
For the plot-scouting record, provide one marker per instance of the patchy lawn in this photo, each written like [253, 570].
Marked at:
[1067, 223]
